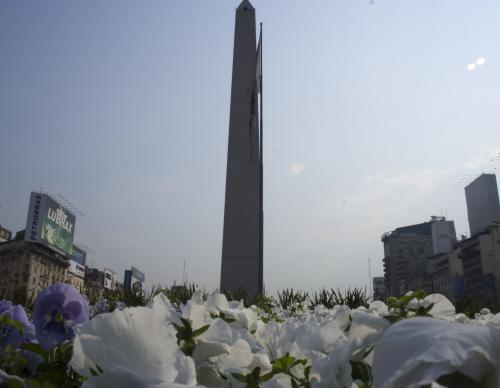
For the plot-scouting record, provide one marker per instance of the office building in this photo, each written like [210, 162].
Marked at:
[27, 268]
[483, 207]
[407, 250]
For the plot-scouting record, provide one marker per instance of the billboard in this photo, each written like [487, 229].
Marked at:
[109, 279]
[134, 279]
[79, 255]
[76, 268]
[50, 223]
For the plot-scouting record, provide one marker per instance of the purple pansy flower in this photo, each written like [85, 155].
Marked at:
[57, 309]
[10, 335]
[102, 306]
[5, 305]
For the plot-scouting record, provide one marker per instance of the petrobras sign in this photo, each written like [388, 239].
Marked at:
[134, 279]
[50, 223]
[109, 279]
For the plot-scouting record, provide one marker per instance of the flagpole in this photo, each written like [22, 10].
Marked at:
[261, 247]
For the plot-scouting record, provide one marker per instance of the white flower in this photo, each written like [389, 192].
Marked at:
[134, 342]
[341, 316]
[215, 341]
[195, 311]
[442, 307]
[121, 377]
[417, 351]
[335, 370]
[366, 329]
[217, 303]
[379, 307]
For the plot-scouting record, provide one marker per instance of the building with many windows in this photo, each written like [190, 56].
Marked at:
[27, 268]
[407, 251]
[5, 234]
[94, 283]
[447, 275]
[483, 207]
[480, 255]
[378, 288]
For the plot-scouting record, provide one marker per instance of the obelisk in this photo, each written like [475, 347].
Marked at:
[242, 243]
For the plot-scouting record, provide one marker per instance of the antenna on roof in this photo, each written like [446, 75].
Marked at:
[85, 248]
[70, 205]
[370, 280]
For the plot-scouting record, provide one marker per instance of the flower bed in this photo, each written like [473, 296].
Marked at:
[411, 342]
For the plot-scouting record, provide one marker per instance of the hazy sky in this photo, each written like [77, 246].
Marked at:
[371, 117]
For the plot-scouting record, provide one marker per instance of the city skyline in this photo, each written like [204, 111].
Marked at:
[373, 114]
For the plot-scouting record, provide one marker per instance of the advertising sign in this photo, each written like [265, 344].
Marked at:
[134, 279]
[76, 268]
[109, 279]
[79, 255]
[138, 274]
[50, 223]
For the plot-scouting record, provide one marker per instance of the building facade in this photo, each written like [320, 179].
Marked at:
[447, 275]
[444, 236]
[407, 251]
[483, 207]
[94, 283]
[76, 275]
[27, 268]
[378, 288]
[480, 255]
[5, 234]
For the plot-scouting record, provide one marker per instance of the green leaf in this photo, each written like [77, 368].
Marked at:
[238, 376]
[14, 383]
[37, 349]
[5, 320]
[266, 377]
[200, 331]
[361, 371]
[32, 384]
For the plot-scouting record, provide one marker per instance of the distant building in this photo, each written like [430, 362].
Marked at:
[447, 275]
[407, 250]
[421, 278]
[480, 255]
[5, 234]
[94, 283]
[76, 275]
[378, 288]
[444, 237]
[27, 268]
[483, 207]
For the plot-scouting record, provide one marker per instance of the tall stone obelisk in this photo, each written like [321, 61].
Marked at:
[242, 236]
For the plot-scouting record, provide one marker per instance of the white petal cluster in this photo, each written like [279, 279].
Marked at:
[138, 347]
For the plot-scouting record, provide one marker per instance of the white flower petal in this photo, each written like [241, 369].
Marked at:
[134, 339]
[216, 303]
[239, 357]
[379, 307]
[196, 313]
[442, 308]
[417, 351]
[365, 330]
[335, 370]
